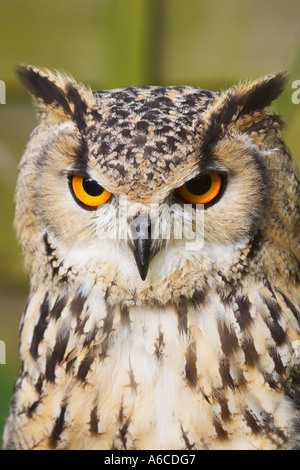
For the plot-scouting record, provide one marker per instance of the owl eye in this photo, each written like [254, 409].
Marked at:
[88, 192]
[203, 189]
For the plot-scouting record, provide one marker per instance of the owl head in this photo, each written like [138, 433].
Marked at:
[161, 191]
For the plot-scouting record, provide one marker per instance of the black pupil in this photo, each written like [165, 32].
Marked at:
[199, 185]
[92, 187]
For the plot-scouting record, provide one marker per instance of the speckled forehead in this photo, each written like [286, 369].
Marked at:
[145, 137]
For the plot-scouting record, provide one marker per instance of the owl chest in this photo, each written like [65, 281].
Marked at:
[154, 378]
[144, 375]
[169, 378]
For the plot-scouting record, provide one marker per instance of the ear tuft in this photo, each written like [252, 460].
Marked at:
[59, 94]
[40, 85]
[244, 103]
[261, 93]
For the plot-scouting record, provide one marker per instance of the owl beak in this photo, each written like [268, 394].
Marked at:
[141, 230]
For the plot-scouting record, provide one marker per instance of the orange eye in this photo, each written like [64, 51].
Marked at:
[88, 192]
[202, 189]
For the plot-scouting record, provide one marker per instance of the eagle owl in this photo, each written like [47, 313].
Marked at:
[137, 335]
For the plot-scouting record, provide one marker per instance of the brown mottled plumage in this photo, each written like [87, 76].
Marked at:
[157, 344]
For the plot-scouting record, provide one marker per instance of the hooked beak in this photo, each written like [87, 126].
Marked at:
[141, 231]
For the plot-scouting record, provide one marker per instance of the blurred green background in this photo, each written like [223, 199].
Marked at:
[112, 43]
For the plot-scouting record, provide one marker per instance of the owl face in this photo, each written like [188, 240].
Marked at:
[146, 185]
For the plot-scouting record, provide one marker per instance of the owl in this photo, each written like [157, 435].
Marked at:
[160, 229]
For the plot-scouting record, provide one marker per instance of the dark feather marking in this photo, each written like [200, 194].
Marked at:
[251, 421]
[94, 421]
[269, 287]
[279, 367]
[181, 311]
[229, 341]
[76, 305]
[240, 379]
[255, 245]
[205, 396]
[291, 306]
[80, 106]
[40, 328]
[251, 355]
[125, 318]
[230, 283]
[108, 321]
[33, 407]
[269, 378]
[80, 325]
[271, 429]
[159, 345]
[24, 316]
[188, 445]
[292, 388]
[132, 383]
[70, 363]
[84, 366]
[243, 316]
[43, 88]
[50, 368]
[121, 413]
[277, 332]
[58, 307]
[191, 364]
[91, 335]
[51, 94]
[219, 120]
[242, 102]
[50, 252]
[39, 384]
[222, 400]
[123, 432]
[49, 249]
[58, 427]
[81, 159]
[261, 95]
[198, 298]
[57, 355]
[107, 330]
[224, 370]
[123, 426]
[221, 432]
